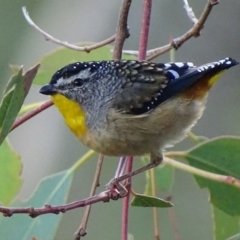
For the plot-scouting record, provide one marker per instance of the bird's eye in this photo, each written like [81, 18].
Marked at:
[78, 82]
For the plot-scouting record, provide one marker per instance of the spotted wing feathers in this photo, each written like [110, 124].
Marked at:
[149, 84]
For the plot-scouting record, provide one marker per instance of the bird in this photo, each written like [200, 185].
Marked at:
[131, 107]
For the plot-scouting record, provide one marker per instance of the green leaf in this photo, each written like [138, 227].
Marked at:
[219, 156]
[130, 236]
[141, 200]
[15, 68]
[225, 225]
[52, 190]
[14, 95]
[148, 188]
[10, 171]
[63, 56]
[164, 176]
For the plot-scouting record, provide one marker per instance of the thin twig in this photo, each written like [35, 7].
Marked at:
[126, 200]
[173, 221]
[48, 37]
[178, 42]
[81, 231]
[121, 167]
[147, 7]
[31, 114]
[122, 29]
[214, 2]
[47, 209]
[155, 214]
[193, 32]
[190, 12]
[114, 194]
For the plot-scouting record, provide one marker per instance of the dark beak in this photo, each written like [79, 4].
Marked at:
[47, 90]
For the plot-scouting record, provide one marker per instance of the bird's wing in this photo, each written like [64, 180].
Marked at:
[146, 85]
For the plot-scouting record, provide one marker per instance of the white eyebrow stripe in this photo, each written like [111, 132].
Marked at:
[62, 81]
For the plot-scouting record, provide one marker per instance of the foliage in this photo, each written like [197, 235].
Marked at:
[215, 164]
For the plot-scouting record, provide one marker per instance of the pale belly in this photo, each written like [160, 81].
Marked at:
[166, 125]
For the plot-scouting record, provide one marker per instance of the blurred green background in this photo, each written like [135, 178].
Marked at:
[47, 146]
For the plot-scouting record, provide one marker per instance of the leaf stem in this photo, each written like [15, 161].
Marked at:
[199, 172]
[82, 160]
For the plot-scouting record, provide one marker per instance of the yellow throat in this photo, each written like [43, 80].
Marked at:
[72, 113]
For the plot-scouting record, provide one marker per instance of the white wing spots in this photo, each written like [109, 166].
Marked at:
[179, 64]
[174, 74]
[222, 63]
[74, 67]
[211, 66]
[167, 65]
[190, 64]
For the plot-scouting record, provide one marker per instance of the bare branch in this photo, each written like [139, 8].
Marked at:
[214, 2]
[114, 194]
[177, 42]
[47, 209]
[190, 12]
[147, 7]
[31, 114]
[122, 29]
[131, 52]
[193, 32]
[48, 37]
[81, 231]
[126, 200]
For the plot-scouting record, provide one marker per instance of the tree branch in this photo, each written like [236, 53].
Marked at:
[81, 231]
[126, 200]
[31, 114]
[193, 32]
[190, 12]
[147, 7]
[122, 29]
[178, 42]
[48, 37]
[47, 209]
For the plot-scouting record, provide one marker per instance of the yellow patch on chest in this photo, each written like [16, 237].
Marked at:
[72, 113]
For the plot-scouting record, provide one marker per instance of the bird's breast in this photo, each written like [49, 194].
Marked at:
[73, 114]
